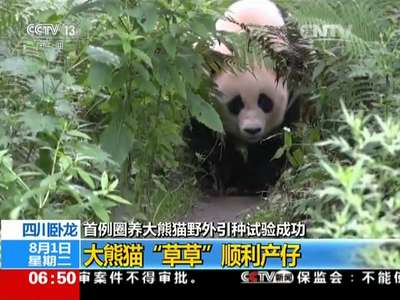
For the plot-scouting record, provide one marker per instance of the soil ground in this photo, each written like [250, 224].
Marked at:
[222, 209]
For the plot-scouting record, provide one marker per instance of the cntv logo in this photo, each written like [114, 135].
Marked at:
[280, 277]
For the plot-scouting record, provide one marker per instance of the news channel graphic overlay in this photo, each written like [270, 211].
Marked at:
[53, 35]
[32, 244]
[40, 259]
[98, 282]
[158, 254]
[62, 258]
[40, 244]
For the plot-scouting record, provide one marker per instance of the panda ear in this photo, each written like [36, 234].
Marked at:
[284, 12]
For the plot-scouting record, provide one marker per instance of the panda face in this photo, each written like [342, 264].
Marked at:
[251, 103]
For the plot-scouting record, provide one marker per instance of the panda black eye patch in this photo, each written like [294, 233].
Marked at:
[235, 105]
[265, 103]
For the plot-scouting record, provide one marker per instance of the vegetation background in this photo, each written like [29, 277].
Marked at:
[98, 124]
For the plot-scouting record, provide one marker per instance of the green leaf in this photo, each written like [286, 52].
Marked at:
[84, 7]
[287, 139]
[291, 159]
[298, 155]
[112, 8]
[4, 154]
[205, 113]
[99, 75]
[100, 211]
[20, 66]
[50, 182]
[44, 160]
[201, 25]
[104, 181]
[117, 140]
[279, 153]
[318, 70]
[36, 122]
[51, 53]
[146, 14]
[93, 151]
[179, 84]
[77, 133]
[119, 199]
[5, 139]
[4, 49]
[64, 108]
[173, 29]
[15, 212]
[169, 44]
[86, 178]
[160, 185]
[143, 74]
[113, 185]
[142, 56]
[103, 56]
[47, 87]
[187, 67]
[313, 135]
[162, 71]
[64, 162]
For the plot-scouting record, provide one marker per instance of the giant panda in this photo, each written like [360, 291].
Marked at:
[252, 105]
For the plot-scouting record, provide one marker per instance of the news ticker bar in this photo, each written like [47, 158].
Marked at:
[74, 284]
[58, 245]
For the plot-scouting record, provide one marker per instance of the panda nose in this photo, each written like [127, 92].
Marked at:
[252, 131]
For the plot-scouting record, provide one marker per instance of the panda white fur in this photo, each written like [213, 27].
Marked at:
[251, 105]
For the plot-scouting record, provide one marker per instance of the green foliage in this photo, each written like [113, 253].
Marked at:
[361, 194]
[99, 123]
[355, 41]
[386, 256]
[343, 181]
[205, 113]
[347, 186]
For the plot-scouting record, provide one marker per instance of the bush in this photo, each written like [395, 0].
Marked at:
[99, 123]
[361, 196]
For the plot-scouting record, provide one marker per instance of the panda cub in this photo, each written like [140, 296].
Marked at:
[252, 106]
